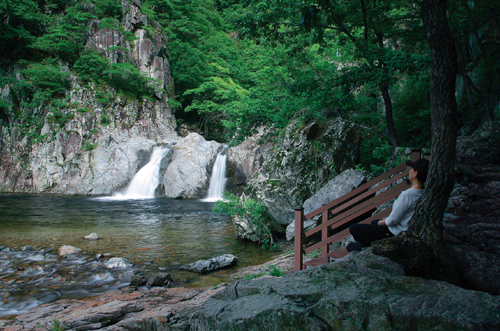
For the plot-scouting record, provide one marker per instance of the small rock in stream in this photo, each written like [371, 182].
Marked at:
[137, 280]
[205, 266]
[161, 279]
[117, 262]
[92, 236]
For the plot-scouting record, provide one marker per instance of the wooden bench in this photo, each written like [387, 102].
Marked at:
[355, 207]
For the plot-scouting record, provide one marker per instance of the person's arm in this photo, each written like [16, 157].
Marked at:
[382, 222]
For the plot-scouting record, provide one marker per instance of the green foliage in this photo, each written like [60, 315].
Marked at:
[276, 272]
[20, 26]
[88, 145]
[49, 79]
[108, 8]
[252, 211]
[65, 34]
[57, 325]
[90, 66]
[412, 113]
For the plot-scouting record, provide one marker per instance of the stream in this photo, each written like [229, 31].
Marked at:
[153, 234]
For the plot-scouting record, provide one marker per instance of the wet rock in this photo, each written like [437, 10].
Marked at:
[162, 279]
[38, 257]
[26, 248]
[126, 277]
[205, 266]
[46, 251]
[98, 256]
[66, 249]
[117, 262]
[6, 250]
[51, 297]
[137, 280]
[92, 236]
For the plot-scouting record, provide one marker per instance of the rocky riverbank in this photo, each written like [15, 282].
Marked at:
[361, 291]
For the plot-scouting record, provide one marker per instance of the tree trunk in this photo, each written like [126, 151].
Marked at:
[421, 250]
[391, 130]
[427, 222]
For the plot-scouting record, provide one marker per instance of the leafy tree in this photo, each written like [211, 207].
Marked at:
[377, 32]
[65, 34]
[421, 250]
[20, 23]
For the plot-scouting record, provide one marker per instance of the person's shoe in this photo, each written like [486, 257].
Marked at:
[355, 246]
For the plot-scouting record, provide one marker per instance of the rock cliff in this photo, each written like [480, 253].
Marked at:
[302, 161]
[105, 137]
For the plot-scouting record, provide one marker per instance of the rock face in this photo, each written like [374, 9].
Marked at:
[215, 263]
[482, 147]
[244, 160]
[359, 292]
[188, 173]
[342, 184]
[303, 161]
[105, 140]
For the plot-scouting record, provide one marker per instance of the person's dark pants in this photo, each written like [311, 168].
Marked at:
[368, 233]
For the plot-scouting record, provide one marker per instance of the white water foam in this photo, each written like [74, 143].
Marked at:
[145, 181]
[218, 179]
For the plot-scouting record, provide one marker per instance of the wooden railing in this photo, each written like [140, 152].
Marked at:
[355, 207]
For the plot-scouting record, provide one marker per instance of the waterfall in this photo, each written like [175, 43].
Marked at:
[145, 181]
[218, 179]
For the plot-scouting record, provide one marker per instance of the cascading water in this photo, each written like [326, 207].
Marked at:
[218, 179]
[145, 181]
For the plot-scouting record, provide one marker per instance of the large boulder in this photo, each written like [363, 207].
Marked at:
[188, 173]
[303, 160]
[359, 292]
[342, 184]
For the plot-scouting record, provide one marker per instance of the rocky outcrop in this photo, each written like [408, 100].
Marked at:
[244, 160]
[124, 309]
[302, 161]
[359, 292]
[480, 148]
[188, 173]
[342, 184]
[105, 137]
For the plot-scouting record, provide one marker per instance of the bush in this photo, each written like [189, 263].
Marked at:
[253, 211]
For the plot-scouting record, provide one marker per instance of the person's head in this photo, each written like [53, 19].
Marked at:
[421, 167]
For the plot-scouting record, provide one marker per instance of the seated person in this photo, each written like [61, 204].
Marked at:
[402, 211]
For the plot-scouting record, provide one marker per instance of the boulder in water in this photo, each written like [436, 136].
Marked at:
[92, 236]
[205, 266]
[66, 249]
[160, 279]
[187, 175]
[117, 262]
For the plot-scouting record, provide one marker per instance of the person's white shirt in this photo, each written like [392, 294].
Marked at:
[402, 210]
